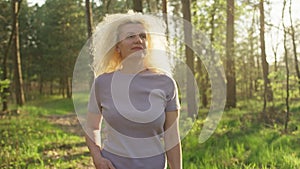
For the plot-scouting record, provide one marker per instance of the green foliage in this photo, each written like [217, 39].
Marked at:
[30, 140]
[52, 105]
[3, 85]
[242, 141]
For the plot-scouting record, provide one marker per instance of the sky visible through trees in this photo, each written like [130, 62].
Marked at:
[274, 17]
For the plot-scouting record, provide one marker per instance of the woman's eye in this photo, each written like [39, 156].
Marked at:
[130, 36]
[143, 36]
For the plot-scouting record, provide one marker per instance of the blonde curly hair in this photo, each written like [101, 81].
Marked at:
[106, 37]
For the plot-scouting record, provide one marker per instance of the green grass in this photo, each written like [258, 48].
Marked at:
[242, 141]
[52, 105]
[32, 140]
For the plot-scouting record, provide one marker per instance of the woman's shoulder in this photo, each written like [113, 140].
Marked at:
[160, 73]
[103, 77]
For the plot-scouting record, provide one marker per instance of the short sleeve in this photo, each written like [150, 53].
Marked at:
[172, 98]
[93, 103]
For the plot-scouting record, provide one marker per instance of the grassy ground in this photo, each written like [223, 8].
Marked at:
[243, 141]
[46, 134]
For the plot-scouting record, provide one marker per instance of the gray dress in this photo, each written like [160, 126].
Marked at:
[133, 109]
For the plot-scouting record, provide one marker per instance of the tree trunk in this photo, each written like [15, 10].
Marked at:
[152, 6]
[4, 77]
[202, 77]
[138, 6]
[230, 69]
[275, 49]
[165, 16]
[286, 68]
[20, 98]
[89, 17]
[89, 22]
[294, 45]
[252, 78]
[68, 87]
[164, 6]
[5, 73]
[268, 94]
[186, 6]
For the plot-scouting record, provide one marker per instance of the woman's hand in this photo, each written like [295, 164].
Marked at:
[92, 137]
[103, 163]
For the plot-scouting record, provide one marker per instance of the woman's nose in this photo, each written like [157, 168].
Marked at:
[138, 39]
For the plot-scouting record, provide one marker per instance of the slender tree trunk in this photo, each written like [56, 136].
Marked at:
[274, 49]
[5, 73]
[268, 95]
[16, 53]
[89, 17]
[152, 6]
[164, 6]
[230, 71]
[165, 13]
[106, 6]
[5, 90]
[89, 22]
[286, 68]
[69, 87]
[294, 45]
[186, 6]
[251, 59]
[202, 77]
[138, 6]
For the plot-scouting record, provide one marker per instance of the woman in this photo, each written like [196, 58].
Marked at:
[134, 96]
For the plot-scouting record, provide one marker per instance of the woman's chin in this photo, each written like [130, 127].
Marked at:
[138, 54]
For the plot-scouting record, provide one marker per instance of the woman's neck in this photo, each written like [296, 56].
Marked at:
[133, 65]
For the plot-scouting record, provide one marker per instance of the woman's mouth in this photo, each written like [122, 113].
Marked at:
[137, 48]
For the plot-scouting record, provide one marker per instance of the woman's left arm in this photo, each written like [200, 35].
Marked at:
[172, 140]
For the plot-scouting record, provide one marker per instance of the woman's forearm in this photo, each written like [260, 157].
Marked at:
[95, 149]
[174, 157]
[93, 136]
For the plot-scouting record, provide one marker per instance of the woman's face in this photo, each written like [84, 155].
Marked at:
[132, 38]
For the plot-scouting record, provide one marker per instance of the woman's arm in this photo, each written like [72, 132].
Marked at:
[172, 140]
[92, 136]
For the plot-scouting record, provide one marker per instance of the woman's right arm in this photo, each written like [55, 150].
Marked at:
[92, 136]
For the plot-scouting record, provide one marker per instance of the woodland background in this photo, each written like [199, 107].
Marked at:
[260, 125]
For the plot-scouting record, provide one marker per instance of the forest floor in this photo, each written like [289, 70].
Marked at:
[46, 133]
[43, 134]
[70, 124]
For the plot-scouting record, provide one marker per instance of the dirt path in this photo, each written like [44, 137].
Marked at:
[69, 123]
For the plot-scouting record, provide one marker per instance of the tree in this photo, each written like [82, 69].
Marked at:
[152, 5]
[62, 36]
[186, 10]
[252, 43]
[20, 98]
[294, 45]
[137, 6]
[268, 94]
[5, 18]
[230, 68]
[90, 30]
[286, 68]
[89, 17]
